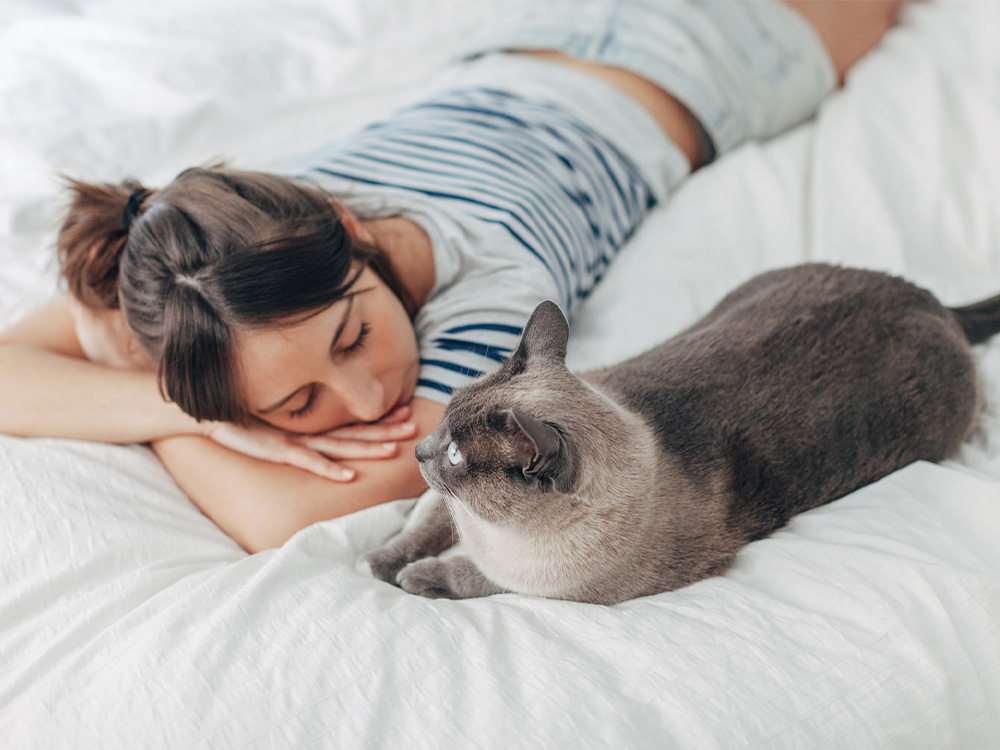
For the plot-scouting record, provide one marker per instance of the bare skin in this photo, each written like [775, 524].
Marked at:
[59, 383]
[847, 28]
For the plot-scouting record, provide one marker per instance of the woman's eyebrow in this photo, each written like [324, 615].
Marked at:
[336, 335]
[343, 321]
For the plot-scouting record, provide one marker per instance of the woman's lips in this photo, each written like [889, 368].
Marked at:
[404, 398]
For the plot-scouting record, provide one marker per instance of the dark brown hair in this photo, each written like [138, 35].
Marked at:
[215, 251]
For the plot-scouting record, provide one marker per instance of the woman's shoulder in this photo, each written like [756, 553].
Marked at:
[467, 328]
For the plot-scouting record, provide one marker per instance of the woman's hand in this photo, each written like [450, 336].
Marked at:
[318, 453]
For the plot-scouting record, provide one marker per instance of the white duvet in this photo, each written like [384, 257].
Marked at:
[128, 620]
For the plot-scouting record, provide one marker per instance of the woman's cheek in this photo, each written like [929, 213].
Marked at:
[326, 416]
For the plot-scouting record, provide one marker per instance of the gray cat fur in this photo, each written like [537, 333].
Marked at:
[800, 386]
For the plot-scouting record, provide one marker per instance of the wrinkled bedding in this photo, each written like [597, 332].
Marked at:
[128, 620]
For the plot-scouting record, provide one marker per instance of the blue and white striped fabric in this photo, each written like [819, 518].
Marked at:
[541, 200]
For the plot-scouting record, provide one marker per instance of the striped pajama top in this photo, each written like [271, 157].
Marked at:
[522, 201]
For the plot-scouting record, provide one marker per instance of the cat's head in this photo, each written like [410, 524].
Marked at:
[518, 440]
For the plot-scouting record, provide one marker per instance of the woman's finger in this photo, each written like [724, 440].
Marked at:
[319, 464]
[338, 448]
[375, 433]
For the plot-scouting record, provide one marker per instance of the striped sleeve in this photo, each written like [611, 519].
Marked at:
[461, 353]
[464, 347]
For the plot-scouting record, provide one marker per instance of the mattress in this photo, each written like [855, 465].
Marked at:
[128, 620]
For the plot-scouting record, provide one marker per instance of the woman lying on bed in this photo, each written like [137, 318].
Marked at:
[283, 341]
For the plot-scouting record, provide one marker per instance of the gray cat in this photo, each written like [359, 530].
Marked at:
[801, 385]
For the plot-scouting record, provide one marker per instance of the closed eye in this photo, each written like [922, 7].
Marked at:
[311, 401]
[360, 340]
[306, 407]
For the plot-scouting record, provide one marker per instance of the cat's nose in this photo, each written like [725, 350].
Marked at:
[424, 450]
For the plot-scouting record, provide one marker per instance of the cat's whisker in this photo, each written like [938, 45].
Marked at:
[451, 521]
[476, 520]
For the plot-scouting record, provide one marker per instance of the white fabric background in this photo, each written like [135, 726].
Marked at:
[127, 620]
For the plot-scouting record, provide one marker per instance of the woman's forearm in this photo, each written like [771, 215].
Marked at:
[49, 394]
[48, 387]
[261, 505]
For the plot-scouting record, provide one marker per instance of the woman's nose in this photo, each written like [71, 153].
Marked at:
[362, 395]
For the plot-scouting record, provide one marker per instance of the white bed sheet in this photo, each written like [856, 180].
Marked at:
[128, 620]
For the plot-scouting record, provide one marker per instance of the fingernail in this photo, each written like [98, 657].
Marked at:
[388, 446]
[347, 473]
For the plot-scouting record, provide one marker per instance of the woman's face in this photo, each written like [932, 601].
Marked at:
[356, 361]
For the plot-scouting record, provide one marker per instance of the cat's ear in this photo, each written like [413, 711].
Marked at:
[542, 451]
[544, 337]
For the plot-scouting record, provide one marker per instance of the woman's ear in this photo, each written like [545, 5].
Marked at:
[353, 224]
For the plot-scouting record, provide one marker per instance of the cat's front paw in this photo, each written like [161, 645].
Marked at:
[385, 562]
[454, 578]
[428, 577]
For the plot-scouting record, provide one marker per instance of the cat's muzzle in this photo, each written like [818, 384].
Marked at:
[425, 449]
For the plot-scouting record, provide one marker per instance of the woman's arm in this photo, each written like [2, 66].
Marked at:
[50, 389]
[261, 505]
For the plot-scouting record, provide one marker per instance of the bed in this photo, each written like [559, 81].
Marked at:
[128, 620]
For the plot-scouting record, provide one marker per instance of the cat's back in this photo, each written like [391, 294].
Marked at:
[773, 310]
[806, 383]
[783, 327]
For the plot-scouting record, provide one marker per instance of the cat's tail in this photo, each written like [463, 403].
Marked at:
[980, 320]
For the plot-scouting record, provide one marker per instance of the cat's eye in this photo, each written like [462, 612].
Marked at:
[454, 454]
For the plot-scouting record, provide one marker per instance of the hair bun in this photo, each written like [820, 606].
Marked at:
[93, 236]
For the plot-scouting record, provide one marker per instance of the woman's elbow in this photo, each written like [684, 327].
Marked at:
[323, 501]
[262, 531]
